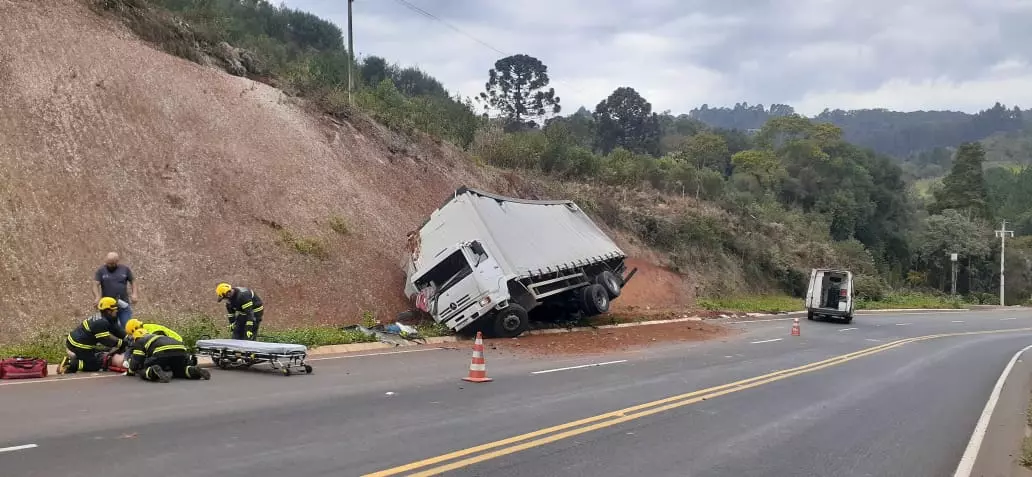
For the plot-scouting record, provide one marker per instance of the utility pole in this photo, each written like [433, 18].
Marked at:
[1003, 233]
[351, 52]
[953, 288]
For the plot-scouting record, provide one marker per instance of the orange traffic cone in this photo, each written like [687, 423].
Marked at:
[795, 326]
[478, 366]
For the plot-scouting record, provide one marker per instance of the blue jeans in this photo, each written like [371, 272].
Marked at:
[124, 314]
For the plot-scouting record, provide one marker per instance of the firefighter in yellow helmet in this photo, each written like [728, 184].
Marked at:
[161, 358]
[81, 343]
[150, 328]
[244, 310]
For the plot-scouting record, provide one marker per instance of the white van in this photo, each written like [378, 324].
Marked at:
[830, 294]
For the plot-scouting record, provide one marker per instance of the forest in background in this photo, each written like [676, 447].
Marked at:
[844, 179]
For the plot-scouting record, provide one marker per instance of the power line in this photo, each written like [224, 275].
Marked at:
[431, 16]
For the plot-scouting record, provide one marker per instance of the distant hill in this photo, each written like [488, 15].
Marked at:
[895, 133]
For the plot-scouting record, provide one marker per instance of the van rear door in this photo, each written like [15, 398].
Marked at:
[813, 291]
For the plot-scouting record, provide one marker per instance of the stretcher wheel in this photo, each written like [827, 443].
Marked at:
[308, 369]
[286, 371]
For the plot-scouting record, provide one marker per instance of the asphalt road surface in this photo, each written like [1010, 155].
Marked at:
[864, 399]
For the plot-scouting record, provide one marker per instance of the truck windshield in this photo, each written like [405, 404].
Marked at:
[447, 273]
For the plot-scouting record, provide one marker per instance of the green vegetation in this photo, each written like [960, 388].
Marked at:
[1026, 442]
[753, 304]
[910, 300]
[339, 225]
[304, 245]
[316, 336]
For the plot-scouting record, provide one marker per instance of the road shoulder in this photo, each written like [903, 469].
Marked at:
[1001, 447]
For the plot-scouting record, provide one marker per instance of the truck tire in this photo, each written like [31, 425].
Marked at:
[510, 322]
[594, 300]
[609, 281]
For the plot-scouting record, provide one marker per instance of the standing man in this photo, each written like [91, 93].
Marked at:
[116, 281]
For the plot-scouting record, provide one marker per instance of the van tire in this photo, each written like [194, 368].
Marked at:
[594, 300]
[510, 322]
[609, 281]
[848, 320]
[809, 315]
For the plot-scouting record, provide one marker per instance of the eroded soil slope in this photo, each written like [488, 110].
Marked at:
[194, 176]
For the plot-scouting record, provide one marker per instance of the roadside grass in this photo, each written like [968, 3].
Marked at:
[316, 336]
[1026, 443]
[752, 304]
[309, 246]
[910, 300]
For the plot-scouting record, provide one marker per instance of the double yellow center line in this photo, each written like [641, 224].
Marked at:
[492, 450]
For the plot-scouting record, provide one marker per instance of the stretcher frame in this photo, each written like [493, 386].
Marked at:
[226, 358]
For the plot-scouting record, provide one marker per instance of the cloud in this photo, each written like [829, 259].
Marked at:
[812, 54]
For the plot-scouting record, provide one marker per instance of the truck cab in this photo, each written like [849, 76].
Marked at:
[830, 294]
[462, 284]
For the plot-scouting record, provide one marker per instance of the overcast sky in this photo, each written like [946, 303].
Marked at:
[679, 54]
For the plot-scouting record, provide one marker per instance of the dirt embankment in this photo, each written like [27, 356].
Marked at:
[606, 340]
[197, 176]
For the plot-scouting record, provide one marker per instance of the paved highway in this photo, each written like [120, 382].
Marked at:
[860, 399]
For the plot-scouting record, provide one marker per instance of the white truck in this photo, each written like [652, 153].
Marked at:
[483, 262]
[830, 294]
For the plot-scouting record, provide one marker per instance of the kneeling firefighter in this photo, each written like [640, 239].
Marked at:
[161, 358]
[155, 329]
[81, 343]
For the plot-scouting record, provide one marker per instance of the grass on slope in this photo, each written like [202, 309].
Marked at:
[781, 303]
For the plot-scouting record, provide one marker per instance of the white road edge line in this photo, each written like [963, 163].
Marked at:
[902, 324]
[766, 341]
[375, 354]
[60, 380]
[18, 448]
[957, 321]
[872, 339]
[849, 329]
[578, 367]
[1005, 319]
[967, 462]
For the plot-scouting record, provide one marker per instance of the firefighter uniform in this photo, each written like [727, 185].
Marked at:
[151, 329]
[100, 329]
[244, 310]
[161, 358]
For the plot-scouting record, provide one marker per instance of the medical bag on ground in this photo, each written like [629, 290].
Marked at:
[23, 368]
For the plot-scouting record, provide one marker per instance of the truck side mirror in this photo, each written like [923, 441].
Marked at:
[477, 248]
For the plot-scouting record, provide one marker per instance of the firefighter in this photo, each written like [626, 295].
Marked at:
[156, 329]
[161, 358]
[244, 310]
[81, 343]
[151, 328]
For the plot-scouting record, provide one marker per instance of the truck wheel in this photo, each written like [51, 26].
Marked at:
[609, 281]
[809, 315]
[511, 322]
[848, 319]
[594, 300]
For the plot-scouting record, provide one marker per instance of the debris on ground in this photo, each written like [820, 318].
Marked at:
[604, 340]
[395, 333]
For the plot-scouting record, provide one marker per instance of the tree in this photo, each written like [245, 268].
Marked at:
[761, 164]
[706, 151]
[516, 89]
[964, 188]
[625, 119]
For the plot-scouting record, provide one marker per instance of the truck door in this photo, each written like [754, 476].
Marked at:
[813, 290]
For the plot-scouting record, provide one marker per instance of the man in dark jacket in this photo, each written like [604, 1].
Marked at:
[81, 343]
[161, 358]
[244, 310]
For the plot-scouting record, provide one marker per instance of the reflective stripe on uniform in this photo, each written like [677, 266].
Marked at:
[78, 344]
[102, 334]
[260, 308]
[247, 305]
[168, 348]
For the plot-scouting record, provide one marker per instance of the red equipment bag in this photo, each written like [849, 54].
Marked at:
[22, 368]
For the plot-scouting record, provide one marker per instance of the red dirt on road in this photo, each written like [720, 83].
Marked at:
[606, 340]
